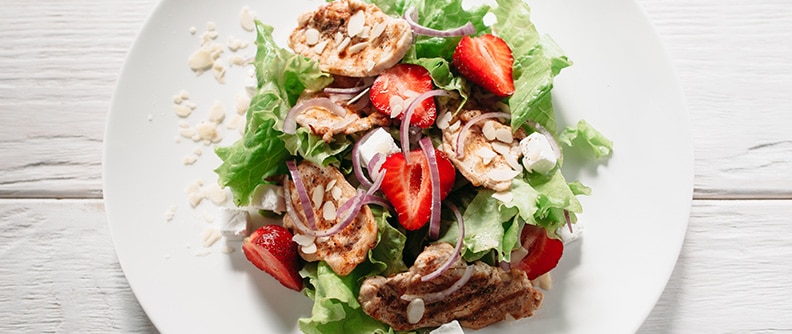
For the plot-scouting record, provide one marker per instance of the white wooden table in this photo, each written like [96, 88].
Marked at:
[59, 61]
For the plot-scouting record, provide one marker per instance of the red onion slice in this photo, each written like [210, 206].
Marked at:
[355, 204]
[290, 122]
[302, 193]
[434, 174]
[374, 165]
[568, 221]
[405, 126]
[457, 248]
[433, 297]
[460, 141]
[376, 200]
[412, 17]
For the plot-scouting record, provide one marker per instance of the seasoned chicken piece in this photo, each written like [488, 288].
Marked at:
[491, 156]
[488, 296]
[327, 124]
[351, 38]
[342, 251]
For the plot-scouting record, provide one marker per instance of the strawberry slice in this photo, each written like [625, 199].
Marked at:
[394, 89]
[271, 249]
[487, 61]
[408, 187]
[543, 251]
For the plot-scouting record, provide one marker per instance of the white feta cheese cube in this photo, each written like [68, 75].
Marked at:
[268, 197]
[452, 327]
[234, 222]
[538, 155]
[380, 141]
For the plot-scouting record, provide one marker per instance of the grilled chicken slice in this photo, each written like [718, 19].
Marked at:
[342, 251]
[488, 297]
[488, 162]
[326, 124]
[351, 38]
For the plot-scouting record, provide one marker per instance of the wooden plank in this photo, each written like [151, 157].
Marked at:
[732, 62]
[59, 62]
[59, 272]
[733, 272]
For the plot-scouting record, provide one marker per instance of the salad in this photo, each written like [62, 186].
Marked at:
[412, 150]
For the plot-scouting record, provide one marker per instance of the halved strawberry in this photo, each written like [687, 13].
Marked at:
[271, 249]
[408, 187]
[543, 251]
[487, 61]
[394, 89]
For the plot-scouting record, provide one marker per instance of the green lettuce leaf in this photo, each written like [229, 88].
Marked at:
[261, 153]
[442, 15]
[250, 161]
[555, 197]
[537, 60]
[584, 138]
[336, 309]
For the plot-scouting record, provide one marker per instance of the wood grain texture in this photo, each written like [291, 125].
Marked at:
[60, 273]
[59, 61]
[733, 274]
[732, 59]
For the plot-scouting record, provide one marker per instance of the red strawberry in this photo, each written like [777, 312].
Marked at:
[487, 61]
[271, 249]
[543, 251]
[396, 87]
[409, 187]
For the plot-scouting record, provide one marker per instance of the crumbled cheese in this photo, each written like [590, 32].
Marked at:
[452, 327]
[379, 142]
[538, 155]
[234, 223]
[193, 30]
[268, 197]
[217, 112]
[182, 110]
[190, 159]
[170, 213]
[219, 71]
[194, 193]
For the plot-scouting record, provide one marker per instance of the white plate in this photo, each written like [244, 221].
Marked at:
[608, 282]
